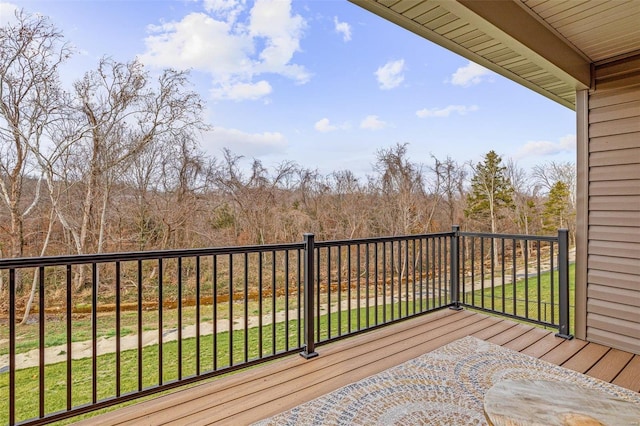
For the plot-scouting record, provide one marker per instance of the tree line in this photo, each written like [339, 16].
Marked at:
[114, 164]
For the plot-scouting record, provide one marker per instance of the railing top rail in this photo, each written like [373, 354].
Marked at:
[333, 243]
[30, 262]
[510, 236]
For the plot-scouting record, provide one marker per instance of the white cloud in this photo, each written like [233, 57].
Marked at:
[372, 122]
[237, 45]
[390, 74]
[342, 28]
[470, 74]
[324, 126]
[242, 143]
[545, 148]
[242, 91]
[7, 11]
[446, 111]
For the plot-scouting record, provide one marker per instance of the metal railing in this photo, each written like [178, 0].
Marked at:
[507, 274]
[134, 324]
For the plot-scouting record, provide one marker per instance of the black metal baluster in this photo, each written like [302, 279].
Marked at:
[339, 290]
[413, 263]
[493, 274]
[349, 288]
[358, 290]
[118, 333]
[433, 271]
[12, 347]
[286, 300]
[463, 263]
[367, 285]
[214, 279]
[69, 340]
[375, 288]
[41, 338]
[260, 305]
[552, 283]
[446, 263]
[160, 321]
[198, 296]
[246, 307]
[180, 291]
[139, 324]
[482, 271]
[406, 277]
[384, 282]
[421, 274]
[273, 302]
[318, 284]
[329, 292]
[473, 271]
[526, 278]
[230, 310]
[440, 271]
[539, 283]
[399, 271]
[515, 277]
[94, 333]
[392, 282]
[299, 260]
[504, 284]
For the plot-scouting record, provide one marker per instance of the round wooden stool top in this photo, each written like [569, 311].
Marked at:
[537, 402]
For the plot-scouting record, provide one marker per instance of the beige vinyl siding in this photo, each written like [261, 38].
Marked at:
[613, 241]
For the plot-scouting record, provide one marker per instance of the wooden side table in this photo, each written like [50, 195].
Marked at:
[547, 403]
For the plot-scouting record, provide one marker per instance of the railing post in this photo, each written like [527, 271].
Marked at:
[454, 285]
[309, 289]
[563, 278]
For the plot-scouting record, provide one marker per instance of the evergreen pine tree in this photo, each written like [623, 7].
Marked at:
[490, 190]
[557, 208]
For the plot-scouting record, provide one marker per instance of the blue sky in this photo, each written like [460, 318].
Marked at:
[320, 82]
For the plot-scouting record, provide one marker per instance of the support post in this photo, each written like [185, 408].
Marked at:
[563, 278]
[309, 289]
[454, 284]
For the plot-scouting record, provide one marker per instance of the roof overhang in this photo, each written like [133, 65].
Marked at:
[541, 46]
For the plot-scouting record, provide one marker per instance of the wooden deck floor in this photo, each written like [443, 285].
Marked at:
[260, 392]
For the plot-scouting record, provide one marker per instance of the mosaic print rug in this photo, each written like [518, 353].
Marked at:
[443, 387]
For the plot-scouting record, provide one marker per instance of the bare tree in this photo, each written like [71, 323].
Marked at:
[401, 185]
[549, 174]
[255, 195]
[524, 197]
[31, 50]
[119, 112]
[447, 187]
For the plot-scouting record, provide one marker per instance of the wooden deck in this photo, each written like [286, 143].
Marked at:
[260, 392]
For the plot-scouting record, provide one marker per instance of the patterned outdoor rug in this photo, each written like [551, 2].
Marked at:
[443, 387]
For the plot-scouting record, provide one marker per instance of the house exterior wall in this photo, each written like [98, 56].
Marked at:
[612, 220]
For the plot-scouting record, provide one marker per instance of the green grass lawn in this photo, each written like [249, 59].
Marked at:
[527, 294]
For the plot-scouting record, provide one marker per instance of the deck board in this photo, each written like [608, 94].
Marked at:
[563, 351]
[265, 390]
[586, 358]
[525, 340]
[629, 377]
[610, 365]
[542, 346]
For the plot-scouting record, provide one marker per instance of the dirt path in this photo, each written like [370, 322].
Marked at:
[105, 345]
